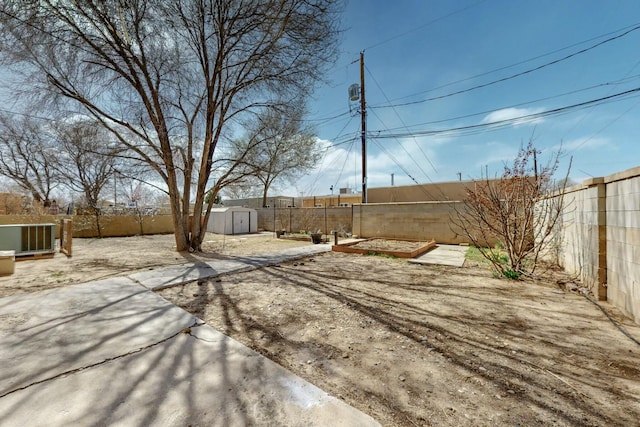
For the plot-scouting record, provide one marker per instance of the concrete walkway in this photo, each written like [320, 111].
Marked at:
[452, 255]
[112, 352]
[174, 275]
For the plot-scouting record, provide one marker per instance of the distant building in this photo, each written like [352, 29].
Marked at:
[256, 202]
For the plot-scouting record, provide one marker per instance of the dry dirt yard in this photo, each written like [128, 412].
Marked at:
[95, 259]
[411, 345]
[426, 345]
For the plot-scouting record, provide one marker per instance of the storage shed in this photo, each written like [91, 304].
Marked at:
[233, 220]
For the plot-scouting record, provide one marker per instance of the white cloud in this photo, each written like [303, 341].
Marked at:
[513, 114]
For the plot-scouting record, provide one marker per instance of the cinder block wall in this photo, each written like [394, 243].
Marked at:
[598, 238]
[623, 241]
[579, 247]
[416, 221]
[294, 220]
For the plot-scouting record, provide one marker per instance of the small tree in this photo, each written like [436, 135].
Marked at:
[514, 211]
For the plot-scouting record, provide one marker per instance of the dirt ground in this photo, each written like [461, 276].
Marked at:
[389, 245]
[95, 259]
[427, 345]
[411, 345]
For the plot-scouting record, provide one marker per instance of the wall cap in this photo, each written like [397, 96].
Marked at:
[625, 174]
[590, 182]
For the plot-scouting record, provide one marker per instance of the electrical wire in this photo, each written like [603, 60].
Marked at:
[407, 152]
[583, 118]
[406, 172]
[401, 121]
[579, 146]
[520, 104]
[346, 158]
[516, 63]
[31, 116]
[512, 76]
[332, 146]
[511, 121]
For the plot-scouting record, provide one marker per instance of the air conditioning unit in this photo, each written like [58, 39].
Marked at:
[28, 239]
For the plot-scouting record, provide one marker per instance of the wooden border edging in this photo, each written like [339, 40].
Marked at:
[347, 248]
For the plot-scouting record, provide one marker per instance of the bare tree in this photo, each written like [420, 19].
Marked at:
[26, 156]
[282, 150]
[167, 77]
[515, 212]
[141, 201]
[86, 161]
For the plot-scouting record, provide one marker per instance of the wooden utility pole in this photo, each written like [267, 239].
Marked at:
[363, 114]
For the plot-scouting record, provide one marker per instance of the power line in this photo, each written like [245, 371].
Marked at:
[517, 63]
[520, 104]
[325, 119]
[31, 116]
[586, 115]
[407, 151]
[512, 76]
[394, 160]
[401, 121]
[601, 129]
[333, 145]
[506, 122]
[346, 158]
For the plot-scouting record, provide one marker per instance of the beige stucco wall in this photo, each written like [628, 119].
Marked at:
[112, 226]
[441, 191]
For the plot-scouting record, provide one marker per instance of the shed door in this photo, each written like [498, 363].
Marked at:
[240, 222]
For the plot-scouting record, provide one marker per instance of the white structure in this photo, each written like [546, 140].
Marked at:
[233, 220]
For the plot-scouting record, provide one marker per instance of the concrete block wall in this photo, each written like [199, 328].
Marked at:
[623, 241]
[294, 220]
[598, 238]
[580, 248]
[416, 221]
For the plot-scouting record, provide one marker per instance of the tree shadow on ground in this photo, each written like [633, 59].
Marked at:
[451, 319]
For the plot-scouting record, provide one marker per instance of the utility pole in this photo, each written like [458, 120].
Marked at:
[535, 168]
[363, 114]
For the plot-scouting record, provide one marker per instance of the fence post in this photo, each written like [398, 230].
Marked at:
[66, 236]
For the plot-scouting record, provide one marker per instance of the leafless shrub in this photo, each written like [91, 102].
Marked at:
[513, 218]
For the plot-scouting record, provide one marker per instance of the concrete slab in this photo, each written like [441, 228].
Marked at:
[163, 277]
[49, 333]
[114, 353]
[199, 379]
[174, 275]
[452, 255]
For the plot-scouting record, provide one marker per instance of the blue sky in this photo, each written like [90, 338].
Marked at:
[416, 50]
